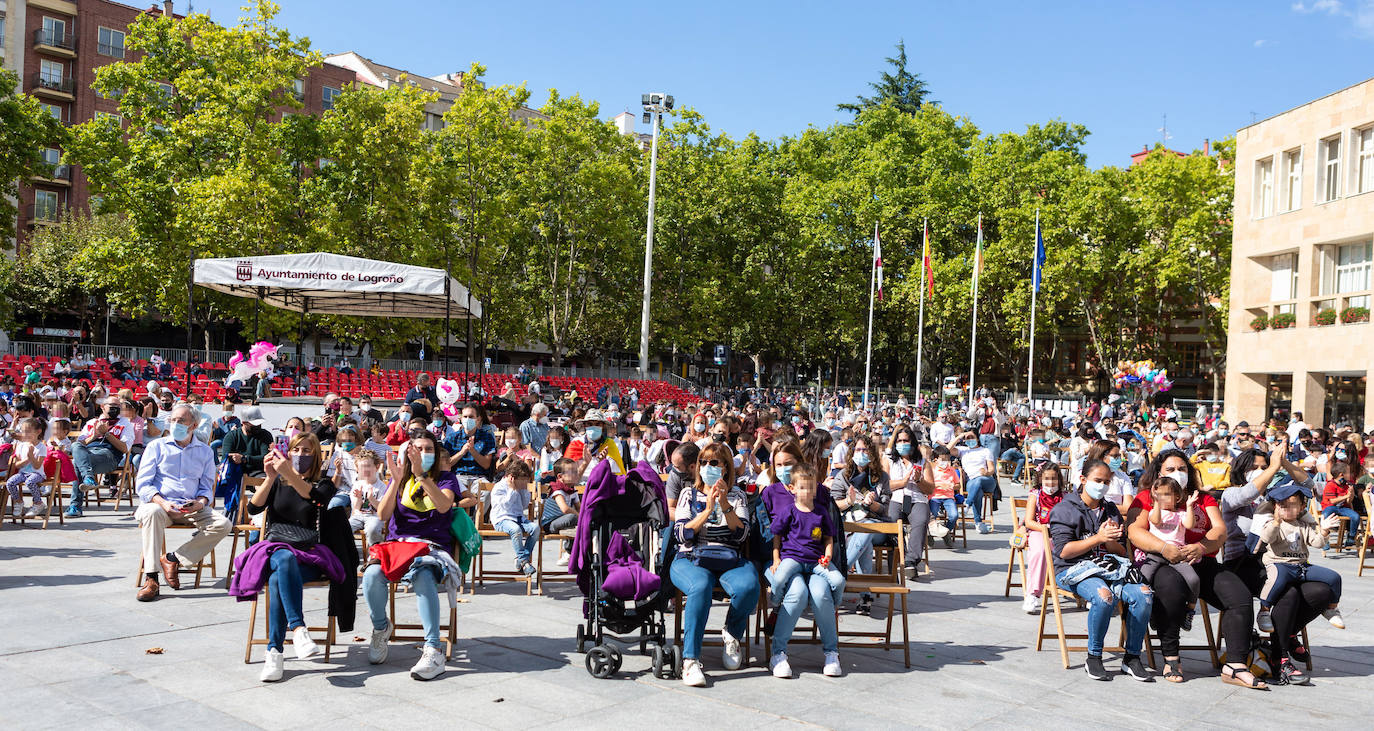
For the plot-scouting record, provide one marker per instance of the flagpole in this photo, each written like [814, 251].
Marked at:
[921, 320]
[973, 346]
[872, 286]
[1030, 368]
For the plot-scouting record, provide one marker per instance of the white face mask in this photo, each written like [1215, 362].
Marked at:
[512, 443]
[1050, 489]
[1180, 476]
[1252, 475]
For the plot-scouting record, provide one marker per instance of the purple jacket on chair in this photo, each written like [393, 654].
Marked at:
[252, 567]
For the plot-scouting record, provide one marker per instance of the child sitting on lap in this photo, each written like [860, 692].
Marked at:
[803, 539]
[1169, 523]
[1286, 539]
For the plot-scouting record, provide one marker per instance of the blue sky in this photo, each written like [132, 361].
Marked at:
[776, 67]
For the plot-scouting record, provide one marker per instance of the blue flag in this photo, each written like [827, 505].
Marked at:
[1039, 257]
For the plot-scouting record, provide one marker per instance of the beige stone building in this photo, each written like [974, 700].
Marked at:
[1304, 241]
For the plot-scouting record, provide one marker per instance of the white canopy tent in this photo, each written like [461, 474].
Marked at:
[334, 284]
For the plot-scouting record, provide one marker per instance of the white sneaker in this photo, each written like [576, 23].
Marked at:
[563, 560]
[984, 528]
[305, 647]
[779, 667]
[272, 666]
[730, 654]
[1031, 604]
[430, 666]
[1263, 621]
[1333, 616]
[377, 648]
[17, 510]
[692, 674]
[34, 511]
[832, 667]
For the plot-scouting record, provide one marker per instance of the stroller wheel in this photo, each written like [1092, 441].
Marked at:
[660, 666]
[599, 663]
[616, 658]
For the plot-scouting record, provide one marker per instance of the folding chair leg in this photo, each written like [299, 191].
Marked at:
[252, 624]
[906, 636]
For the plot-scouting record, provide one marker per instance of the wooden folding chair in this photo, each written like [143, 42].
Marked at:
[329, 629]
[480, 573]
[559, 574]
[1365, 534]
[53, 502]
[242, 522]
[448, 630]
[197, 570]
[1050, 602]
[125, 489]
[1210, 647]
[1017, 555]
[891, 584]
[1314, 507]
[712, 637]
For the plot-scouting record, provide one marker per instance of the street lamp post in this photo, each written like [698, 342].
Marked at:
[654, 107]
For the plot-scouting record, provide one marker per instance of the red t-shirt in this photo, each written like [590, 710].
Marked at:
[1333, 492]
[1201, 523]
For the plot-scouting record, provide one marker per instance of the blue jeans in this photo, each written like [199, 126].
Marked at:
[425, 587]
[858, 550]
[90, 461]
[790, 568]
[340, 500]
[802, 588]
[1344, 512]
[1281, 575]
[990, 442]
[1137, 598]
[523, 533]
[740, 583]
[285, 589]
[977, 487]
[949, 506]
[1018, 460]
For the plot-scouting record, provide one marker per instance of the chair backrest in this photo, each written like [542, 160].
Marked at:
[1020, 506]
[893, 529]
[482, 489]
[242, 517]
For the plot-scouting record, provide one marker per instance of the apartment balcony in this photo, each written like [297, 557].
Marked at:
[63, 88]
[61, 175]
[54, 43]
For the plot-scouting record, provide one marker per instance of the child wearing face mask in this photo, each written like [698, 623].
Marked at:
[1171, 516]
[510, 501]
[942, 472]
[1046, 493]
[1286, 540]
[511, 450]
[366, 491]
[342, 466]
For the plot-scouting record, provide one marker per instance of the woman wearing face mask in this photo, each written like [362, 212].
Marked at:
[417, 505]
[295, 494]
[712, 524]
[1120, 489]
[595, 444]
[861, 491]
[398, 430]
[1254, 472]
[910, 501]
[1219, 587]
[699, 429]
[1085, 528]
[1046, 493]
[472, 445]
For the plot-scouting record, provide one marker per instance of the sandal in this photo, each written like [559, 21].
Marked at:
[1173, 671]
[1230, 677]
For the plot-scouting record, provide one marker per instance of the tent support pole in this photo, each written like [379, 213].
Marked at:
[448, 312]
[300, 335]
[190, 314]
[257, 305]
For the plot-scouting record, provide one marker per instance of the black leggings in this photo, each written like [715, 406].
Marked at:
[1220, 588]
[1295, 607]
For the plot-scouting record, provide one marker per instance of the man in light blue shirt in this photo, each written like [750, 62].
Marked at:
[176, 482]
[535, 430]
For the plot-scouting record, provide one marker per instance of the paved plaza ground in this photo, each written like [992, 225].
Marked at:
[76, 655]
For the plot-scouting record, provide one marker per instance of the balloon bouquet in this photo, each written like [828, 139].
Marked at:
[1142, 377]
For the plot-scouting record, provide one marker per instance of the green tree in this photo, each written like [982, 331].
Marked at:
[28, 129]
[905, 90]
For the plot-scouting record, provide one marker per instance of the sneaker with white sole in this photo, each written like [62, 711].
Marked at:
[1031, 604]
[730, 655]
[692, 674]
[377, 647]
[272, 666]
[34, 511]
[1263, 621]
[779, 667]
[17, 510]
[305, 647]
[430, 666]
[984, 528]
[563, 560]
[832, 667]
[1333, 615]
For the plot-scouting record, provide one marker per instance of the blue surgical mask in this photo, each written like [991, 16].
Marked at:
[784, 473]
[404, 417]
[594, 435]
[1094, 489]
[971, 444]
[347, 446]
[1114, 463]
[710, 475]
[861, 459]
[904, 448]
[469, 424]
[180, 431]
[699, 427]
[427, 461]
[826, 452]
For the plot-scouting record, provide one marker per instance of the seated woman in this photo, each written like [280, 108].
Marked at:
[1090, 561]
[295, 495]
[910, 494]
[712, 523]
[861, 493]
[417, 507]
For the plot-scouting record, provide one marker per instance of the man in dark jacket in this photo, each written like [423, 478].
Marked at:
[249, 443]
[422, 390]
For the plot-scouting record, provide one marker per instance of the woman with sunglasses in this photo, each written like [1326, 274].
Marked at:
[712, 523]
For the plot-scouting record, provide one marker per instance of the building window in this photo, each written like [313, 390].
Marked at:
[51, 155]
[54, 31]
[1292, 180]
[108, 116]
[50, 73]
[298, 89]
[53, 109]
[1347, 268]
[1365, 166]
[44, 205]
[1285, 277]
[327, 97]
[434, 122]
[110, 42]
[167, 89]
[1264, 188]
[1329, 170]
[96, 204]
